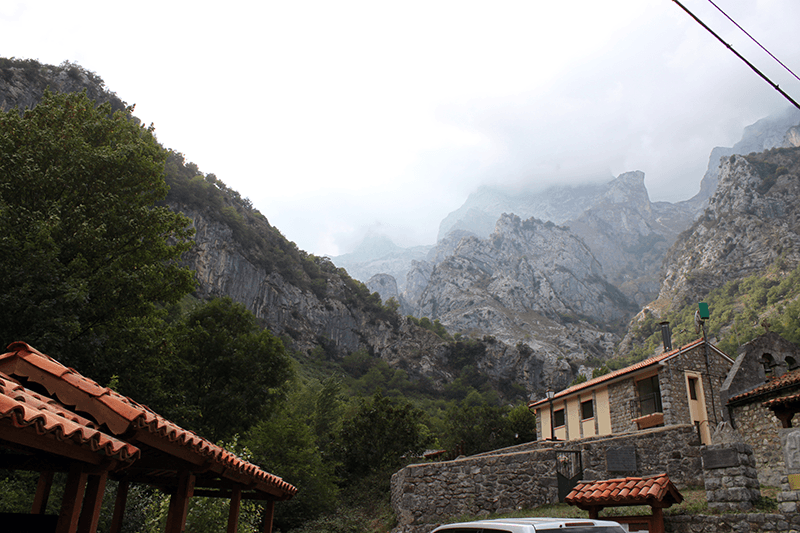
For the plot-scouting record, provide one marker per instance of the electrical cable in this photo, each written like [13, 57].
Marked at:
[754, 39]
[740, 56]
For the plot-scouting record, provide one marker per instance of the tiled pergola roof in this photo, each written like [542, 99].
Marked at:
[96, 429]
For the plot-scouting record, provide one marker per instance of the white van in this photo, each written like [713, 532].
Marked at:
[531, 525]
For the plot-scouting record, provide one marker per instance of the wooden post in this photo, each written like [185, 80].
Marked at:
[179, 503]
[43, 487]
[73, 499]
[269, 514]
[119, 506]
[233, 513]
[93, 502]
[658, 520]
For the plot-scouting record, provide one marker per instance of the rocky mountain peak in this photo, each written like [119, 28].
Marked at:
[750, 221]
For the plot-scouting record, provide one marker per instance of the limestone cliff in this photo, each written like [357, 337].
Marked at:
[752, 220]
[531, 282]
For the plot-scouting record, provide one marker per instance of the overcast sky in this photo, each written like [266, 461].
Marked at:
[338, 117]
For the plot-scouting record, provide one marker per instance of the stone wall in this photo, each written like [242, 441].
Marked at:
[729, 523]
[424, 495]
[620, 396]
[759, 428]
[731, 480]
[672, 380]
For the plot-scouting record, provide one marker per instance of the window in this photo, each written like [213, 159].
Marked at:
[769, 364]
[587, 410]
[558, 418]
[693, 388]
[649, 396]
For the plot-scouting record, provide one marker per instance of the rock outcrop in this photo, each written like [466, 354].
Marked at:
[531, 282]
[749, 223]
[24, 83]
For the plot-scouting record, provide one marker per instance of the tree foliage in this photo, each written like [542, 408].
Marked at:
[229, 370]
[84, 250]
[381, 435]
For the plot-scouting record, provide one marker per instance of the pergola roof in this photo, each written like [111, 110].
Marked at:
[52, 417]
[656, 491]
[34, 416]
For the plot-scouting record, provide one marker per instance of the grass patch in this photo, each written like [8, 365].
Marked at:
[694, 503]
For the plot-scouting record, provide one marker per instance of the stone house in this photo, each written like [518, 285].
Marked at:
[761, 394]
[680, 386]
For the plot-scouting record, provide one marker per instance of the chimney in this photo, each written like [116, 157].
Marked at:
[666, 336]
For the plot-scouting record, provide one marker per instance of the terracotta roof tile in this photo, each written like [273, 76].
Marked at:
[783, 400]
[122, 414]
[624, 491]
[786, 380]
[27, 409]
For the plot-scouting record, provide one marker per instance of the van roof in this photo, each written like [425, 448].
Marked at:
[535, 523]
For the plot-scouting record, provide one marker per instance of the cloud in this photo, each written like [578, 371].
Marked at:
[339, 117]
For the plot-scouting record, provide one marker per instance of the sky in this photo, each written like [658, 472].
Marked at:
[340, 118]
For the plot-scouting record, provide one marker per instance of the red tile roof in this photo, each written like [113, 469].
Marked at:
[26, 410]
[122, 415]
[789, 379]
[655, 490]
[792, 399]
[627, 370]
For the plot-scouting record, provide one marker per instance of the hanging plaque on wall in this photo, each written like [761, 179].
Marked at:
[621, 459]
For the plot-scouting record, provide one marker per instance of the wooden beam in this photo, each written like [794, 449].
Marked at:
[119, 506]
[179, 503]
[233, 512]
[72, 500]
[92, 503]
[43, 487]
[269, 514]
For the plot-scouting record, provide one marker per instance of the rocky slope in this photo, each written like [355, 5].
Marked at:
[774, 131]
[531, 282]
[24, 83]
[340, 325]
[751, 221]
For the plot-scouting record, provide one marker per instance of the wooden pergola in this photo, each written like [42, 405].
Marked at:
[53, 419]
[656, 491]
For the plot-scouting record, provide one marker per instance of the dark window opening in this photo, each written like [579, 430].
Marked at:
[693, 388]
[649, 396]
[558, 418]
[769, 364]
[587, 410]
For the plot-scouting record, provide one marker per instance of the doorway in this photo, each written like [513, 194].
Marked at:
[697, 405]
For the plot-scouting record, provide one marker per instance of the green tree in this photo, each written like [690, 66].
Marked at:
[286, 446]
[380, 436]
[230, 370]
[84, 249]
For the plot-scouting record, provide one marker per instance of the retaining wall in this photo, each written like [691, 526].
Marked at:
[424, 495]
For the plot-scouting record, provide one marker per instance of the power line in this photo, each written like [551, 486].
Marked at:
[740, 56]
[754, 40]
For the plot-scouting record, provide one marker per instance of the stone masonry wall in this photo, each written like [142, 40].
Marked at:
[759, 428]
[425, 495]
[620, 395]
[672, 380]
[732, 523]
